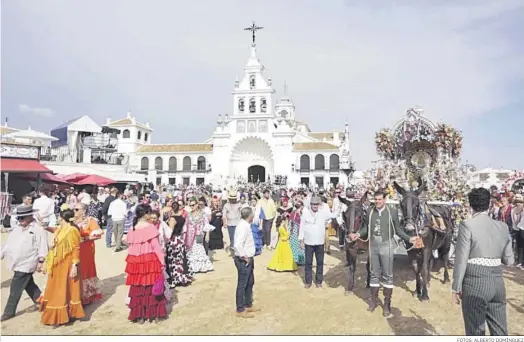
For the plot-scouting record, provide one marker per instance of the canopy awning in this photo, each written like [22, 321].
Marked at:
[47, 178]
[19, 165]
[93, 180]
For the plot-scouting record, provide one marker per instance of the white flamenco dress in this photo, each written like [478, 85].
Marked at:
[196, 225]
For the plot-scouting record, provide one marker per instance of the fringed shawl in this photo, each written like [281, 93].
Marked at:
[194, 226]
[66, 241]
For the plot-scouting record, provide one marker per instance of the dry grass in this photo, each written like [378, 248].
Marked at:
[207, 306]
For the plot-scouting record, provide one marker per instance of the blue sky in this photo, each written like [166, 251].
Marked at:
[174, 63]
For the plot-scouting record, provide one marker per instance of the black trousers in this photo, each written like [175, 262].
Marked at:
[245, 282]
[21, 281]
[519, 244]
[318, 250]
[341, 236]
[206, 244]
[266, 232]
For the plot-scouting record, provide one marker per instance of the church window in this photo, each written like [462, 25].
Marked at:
[319, 162]
[241, 126]
[334, 162]
[159, 163]
[283, 114]
[252, 105]
[252, 82]
[126, 134]
[262, 126]
[144, 163]
[186, 164]
[146, 136]
[251, 126]
[201, 163]
[305, 163]
[263, 105]
[241, 105]
[139, 135]
[172, 164]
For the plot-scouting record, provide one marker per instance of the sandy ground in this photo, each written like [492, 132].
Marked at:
[207, 306]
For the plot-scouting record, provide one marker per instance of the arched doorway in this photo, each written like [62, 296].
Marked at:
[251, 157]
[256, 173]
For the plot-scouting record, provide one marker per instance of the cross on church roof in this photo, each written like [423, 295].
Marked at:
[253, 28]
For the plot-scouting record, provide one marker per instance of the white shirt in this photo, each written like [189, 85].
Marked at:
[45, 206]
[313, 226]
[244, 243]
[24, 246]
[117, 210]
[86, 199]
[102, 198]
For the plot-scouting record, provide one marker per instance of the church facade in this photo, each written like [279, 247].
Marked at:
[260, 141]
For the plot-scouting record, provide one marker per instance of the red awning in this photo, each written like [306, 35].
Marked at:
[17, 165]
[47, 178]
[93, 180]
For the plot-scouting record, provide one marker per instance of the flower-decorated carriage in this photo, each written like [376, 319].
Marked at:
[414, 148]
[515, 182]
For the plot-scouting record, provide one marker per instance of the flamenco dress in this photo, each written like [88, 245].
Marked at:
[144, 268]
[282, 259]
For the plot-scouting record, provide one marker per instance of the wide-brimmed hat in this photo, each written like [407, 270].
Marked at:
[233, 195]
[24, 210]
[315, 200]
[518, 198]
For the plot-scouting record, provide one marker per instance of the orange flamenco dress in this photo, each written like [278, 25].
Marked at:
[90, 283]
[145, 262]
[62, 299]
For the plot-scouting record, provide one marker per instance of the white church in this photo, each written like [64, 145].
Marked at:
[261, 141]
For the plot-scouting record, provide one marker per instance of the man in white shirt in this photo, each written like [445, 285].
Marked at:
[312, 237]
[45, 207]
[117, 212]
[244, 249]
[84, 197]
[25, 249]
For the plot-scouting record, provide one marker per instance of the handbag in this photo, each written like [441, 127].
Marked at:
[199, 239]
[158, 286]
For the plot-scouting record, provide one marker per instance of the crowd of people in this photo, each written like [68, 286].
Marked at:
[169, 235]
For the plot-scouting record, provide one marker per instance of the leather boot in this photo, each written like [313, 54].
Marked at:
[387, 303]
[373, 301]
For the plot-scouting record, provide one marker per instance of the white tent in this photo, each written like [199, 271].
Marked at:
[31, 135]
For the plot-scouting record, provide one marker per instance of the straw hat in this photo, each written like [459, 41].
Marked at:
[233, 195]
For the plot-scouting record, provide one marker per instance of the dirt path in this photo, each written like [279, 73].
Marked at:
[207, 306]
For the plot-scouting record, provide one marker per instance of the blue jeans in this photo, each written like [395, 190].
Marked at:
[231, 231]
[246, 280]
[109, 231]
[318, 250]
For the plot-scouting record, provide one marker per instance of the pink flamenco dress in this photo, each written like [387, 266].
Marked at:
[145, 266]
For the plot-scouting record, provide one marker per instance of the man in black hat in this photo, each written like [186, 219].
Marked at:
[25, 250]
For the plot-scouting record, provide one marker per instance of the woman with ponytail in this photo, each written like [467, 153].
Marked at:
[62, 299]
[145, 269]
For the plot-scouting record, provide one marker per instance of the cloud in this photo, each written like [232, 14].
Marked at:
[43, 112]
[174, 63]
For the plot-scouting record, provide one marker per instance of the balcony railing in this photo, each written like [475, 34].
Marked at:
[66, 155]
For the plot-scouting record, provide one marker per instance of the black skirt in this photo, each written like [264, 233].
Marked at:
[216, 238]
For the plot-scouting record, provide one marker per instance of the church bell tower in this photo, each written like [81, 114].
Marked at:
[253, 95]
